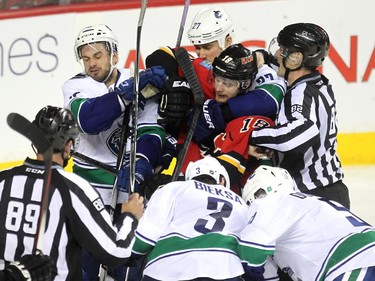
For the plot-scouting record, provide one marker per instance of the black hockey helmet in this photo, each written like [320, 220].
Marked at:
[58, 125]
[309, 39]
[236, 63]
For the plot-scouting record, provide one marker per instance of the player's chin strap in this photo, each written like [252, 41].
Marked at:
[113, 66]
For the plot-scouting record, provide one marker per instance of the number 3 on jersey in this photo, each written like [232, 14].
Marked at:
[215, 223]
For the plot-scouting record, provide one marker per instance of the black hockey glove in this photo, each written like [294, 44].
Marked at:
[268, 58]
[37, 267]
[151, 184]
[175, 103]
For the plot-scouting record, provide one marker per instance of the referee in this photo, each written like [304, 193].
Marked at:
[76, 217]
[305, 136]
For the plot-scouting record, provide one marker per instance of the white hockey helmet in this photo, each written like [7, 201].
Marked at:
[267, 180]
[96, 33]
[210, 25]
[207, 166]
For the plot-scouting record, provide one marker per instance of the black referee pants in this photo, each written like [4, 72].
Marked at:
[337, 192]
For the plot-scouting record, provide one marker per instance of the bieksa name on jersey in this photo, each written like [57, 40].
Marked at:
[218, 191]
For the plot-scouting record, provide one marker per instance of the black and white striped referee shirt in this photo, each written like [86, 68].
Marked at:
[76, 219]
[304, 138]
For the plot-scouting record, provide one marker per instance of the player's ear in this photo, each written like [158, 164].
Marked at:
[228, 41]
[295, 59]
[68, 147]
[115, 58]
[223, 182]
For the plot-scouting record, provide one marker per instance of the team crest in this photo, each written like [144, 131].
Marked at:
[113, 141]
[246, 60]
[218, 14]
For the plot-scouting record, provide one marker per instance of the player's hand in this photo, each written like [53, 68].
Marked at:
[154, 76]
[264, 57]
[210, 122]
[260, 153]
[150, 185]
[143, 169]
[36, 267]
[175, 103]
[135, 205]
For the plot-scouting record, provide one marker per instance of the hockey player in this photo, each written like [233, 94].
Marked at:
[76, 217]
[235, 112]
[98, 99]
[185, 225]
[246, 91]
[309, 237]
[305, 136]
[211, 31]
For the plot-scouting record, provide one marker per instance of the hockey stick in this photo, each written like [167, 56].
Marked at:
[23, 126]
[120, 160]
[94, 162]
[182, 24]
[135, 97]
[184, 61]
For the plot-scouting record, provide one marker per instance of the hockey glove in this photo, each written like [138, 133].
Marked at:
[211, 121]
[268, 58]
[150, 185]
[175, 103]
[37, 267]
[154, 76]
[143, 170]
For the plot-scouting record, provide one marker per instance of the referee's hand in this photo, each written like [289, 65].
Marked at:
[135, 205]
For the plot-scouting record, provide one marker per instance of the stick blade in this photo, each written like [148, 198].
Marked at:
[183, 59]
[23, 126]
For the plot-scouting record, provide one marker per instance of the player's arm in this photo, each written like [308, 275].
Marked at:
[97, 114]
[264, 101]
[157, 216]
[150, 143]
[232, 148]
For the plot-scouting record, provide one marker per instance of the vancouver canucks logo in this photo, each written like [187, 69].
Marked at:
[113, 141]
[218, 14]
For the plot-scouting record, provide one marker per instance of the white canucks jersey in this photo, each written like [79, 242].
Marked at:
[268, 80]
[104, 145]
[310, 237]
[267, 75]
[184, 232]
